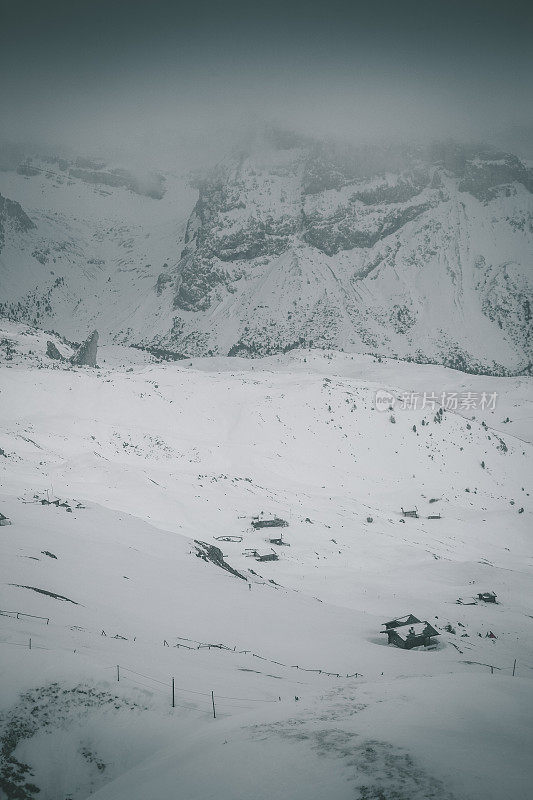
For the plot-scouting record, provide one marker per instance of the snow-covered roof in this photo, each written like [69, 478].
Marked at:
[397, 621]
[418, 629]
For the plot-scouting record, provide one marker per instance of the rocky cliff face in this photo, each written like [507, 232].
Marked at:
[85, 355]
[12, 218]
[414, 253]
[423, 254]
[89, 171]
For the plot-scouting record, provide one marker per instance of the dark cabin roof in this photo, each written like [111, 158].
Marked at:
[418, 629]
[269, 522]
[409, 619]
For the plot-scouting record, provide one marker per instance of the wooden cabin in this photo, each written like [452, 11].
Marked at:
[413, 513]
[487, 597]
[411, 635]
[268, 522]
[409, 619]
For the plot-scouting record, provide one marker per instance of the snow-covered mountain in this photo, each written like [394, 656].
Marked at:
[406, 252]
[92, 252]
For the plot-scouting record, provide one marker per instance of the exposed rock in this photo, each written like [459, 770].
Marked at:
[46, 593]
[160, 352]
[162, 280]
[487, 175]
[196, 281]
[349, 227]
[53, 352]
[209, 552]
[12, 216]
[86, 353]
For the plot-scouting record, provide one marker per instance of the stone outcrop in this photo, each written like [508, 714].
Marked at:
[86, 353]
[12, 216]
[53, 352]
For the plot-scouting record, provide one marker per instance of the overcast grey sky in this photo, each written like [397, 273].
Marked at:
[152, 77]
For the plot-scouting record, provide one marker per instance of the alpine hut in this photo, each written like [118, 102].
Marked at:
[268, 522]
[413, 513]
[408, 635]
[487, 597]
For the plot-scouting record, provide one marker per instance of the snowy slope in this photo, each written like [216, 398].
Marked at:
[160, 456]
[409, 253]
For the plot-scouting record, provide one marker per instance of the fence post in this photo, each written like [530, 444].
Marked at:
[213, 702]
[30, 643]
[118, 673]
[173, 706]
[491, 670]
[514, 667]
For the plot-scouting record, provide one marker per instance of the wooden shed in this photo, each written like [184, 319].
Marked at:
[416, 635]
[413, 513]
[268, 522]
[268, 557]
[279, 541]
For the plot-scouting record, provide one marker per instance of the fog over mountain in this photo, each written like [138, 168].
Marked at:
[181, 81]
